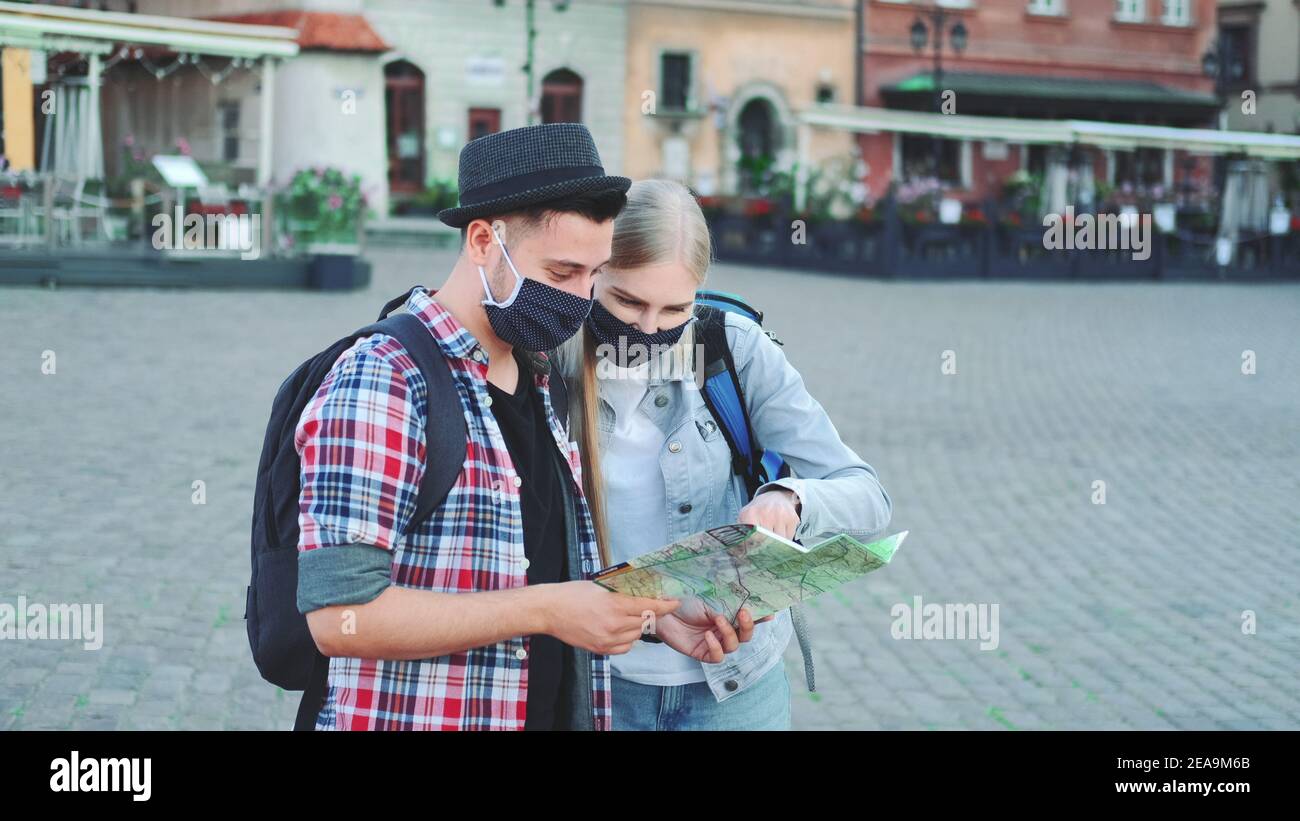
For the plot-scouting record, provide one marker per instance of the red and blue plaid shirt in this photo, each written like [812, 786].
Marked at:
[362, 446]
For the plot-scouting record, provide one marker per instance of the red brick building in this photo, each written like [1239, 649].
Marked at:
[1121, 61]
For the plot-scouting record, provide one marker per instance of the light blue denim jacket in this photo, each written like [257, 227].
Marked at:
[840, 493]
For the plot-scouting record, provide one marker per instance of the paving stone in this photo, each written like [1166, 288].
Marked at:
[1118, 615]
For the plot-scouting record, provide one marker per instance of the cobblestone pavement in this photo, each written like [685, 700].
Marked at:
[1127, 614]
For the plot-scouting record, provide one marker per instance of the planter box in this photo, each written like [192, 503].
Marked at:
[940, 251]
[335, 267]
[893, 248]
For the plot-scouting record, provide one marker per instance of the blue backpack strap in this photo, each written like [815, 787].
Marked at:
[724, 397]
[728, 302]
[723, 393]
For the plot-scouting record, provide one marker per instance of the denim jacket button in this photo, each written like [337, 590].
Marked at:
[686, 508]
[731, 684]
[660, 401]
[675, 447]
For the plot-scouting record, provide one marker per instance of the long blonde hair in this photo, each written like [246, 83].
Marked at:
[661, 223]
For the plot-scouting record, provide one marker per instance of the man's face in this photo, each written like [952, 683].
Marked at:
[561, 250]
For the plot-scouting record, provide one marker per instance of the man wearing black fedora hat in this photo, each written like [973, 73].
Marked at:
[481, 616]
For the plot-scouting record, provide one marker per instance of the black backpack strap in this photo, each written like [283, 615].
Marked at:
[313, 695]
[711, 332]
[444, 417]
[559, 397]
[395, 303]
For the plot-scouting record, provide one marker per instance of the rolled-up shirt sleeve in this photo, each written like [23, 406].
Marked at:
[360, 443]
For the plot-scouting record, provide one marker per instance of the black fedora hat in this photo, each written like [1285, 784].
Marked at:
[527, 166]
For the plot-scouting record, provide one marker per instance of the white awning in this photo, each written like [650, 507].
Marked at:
[1122, 136]
[56, 28]
[866, 120]
[1125, 136]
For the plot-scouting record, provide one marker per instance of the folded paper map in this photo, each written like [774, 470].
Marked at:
[737, 566]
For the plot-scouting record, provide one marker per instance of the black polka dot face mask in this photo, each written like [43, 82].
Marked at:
[536, 316]
[625, 344]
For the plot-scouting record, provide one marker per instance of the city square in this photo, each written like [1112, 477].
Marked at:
[1093, 458]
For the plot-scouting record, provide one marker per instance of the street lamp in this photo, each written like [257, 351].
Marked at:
[1224, 66]
[920, 36]
[530, 17]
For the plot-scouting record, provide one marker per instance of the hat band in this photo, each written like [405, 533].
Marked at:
[528, 182]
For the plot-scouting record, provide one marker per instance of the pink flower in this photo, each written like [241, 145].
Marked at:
[183, 146]
[336, 202]
[129, 141]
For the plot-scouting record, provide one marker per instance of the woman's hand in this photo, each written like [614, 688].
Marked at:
[776, 509]
[702, 634]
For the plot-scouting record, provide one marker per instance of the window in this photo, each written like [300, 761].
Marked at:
[1047, 8]
[1033, 158]
[1176, 12]
[228, 115]
[562, 97]
[675, 81]
[483, 121]
[1237, 53]
[1130, 11]
[404, 109]
[1144, 167]
[918, 157]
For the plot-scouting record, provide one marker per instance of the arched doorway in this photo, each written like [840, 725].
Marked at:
[757, 134]
[562, 97]
[404, 104]
[758, 137]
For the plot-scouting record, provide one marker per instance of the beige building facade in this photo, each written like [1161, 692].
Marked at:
[714, 87]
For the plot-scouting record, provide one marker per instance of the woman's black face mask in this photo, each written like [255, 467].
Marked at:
[629, 345]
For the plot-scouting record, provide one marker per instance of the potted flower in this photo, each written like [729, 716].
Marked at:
[324, 209]
[918, 200]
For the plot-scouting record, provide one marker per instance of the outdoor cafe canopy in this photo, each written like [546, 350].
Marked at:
[42, 29]
[1121, 136]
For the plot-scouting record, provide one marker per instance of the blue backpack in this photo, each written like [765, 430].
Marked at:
[726, 401]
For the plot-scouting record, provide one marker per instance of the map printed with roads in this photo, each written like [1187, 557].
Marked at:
[737, 566]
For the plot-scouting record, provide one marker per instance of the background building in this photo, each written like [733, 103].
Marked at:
[714, 87]
[436, 74]
[1262, 38]
[1121, 61]
[458, 64]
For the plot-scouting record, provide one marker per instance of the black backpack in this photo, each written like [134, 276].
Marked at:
[283, 648]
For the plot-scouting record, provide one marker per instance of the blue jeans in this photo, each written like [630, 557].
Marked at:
[764, 705]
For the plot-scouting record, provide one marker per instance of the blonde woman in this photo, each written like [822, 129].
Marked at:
[656, 466]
